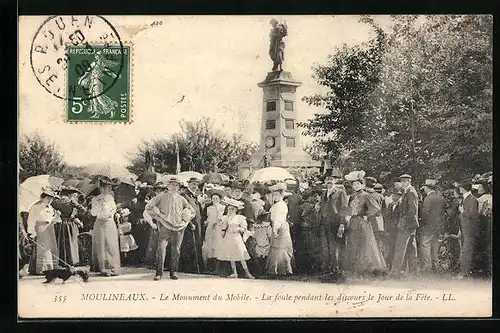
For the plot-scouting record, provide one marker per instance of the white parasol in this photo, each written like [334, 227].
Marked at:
[30, 190]
[112, 171]
[186, 175]
[270, 174]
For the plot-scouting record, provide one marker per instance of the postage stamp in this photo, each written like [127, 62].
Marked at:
[91, 70]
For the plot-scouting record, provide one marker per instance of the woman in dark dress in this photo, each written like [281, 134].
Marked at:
[363, 257]
[67, 230]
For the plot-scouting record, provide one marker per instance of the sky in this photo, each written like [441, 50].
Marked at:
[215, 62]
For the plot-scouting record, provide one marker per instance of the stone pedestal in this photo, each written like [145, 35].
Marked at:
[280, 138]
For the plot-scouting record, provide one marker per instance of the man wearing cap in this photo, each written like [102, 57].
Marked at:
[168, 208]
[333, 209]
[191, 257]
[469, 217]
[432, 220]
[408, 223]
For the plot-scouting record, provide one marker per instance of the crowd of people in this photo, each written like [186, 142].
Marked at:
[338, 227]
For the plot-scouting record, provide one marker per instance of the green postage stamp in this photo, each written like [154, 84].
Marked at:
[98, 85]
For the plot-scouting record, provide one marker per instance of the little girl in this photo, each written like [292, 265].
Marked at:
[232, 247]
[127, 241]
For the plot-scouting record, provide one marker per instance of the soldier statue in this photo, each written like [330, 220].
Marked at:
[277, 46]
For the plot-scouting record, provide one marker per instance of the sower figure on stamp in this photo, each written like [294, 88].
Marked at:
[277, 46]
[332, 212]
[408, 223]
[170, 210]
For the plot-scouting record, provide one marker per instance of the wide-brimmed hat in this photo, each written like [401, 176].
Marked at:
[125, 212]
[370, 182]
[280, 187]
[378, 187]
[175, 180]
[104, 180]
[160, 185]
[405, 176]
[233, 203]
[355, 176]
[216, 191]
[194, 180]
[71, 189]
[432, 183]
[50, 192]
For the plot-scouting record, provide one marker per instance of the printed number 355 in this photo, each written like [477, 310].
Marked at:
[59, 299]
[77, 107]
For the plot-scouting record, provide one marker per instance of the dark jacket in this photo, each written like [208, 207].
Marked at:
[470, 214]
[379, 200]
[334, 207]
[409, 210]
[433, 213]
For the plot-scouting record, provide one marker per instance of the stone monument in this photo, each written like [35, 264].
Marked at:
[280, 139]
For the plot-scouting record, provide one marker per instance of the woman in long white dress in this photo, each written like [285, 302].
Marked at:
[213, 233]
[280, 259]
[232, 246]
[41, 219]
[105, 248]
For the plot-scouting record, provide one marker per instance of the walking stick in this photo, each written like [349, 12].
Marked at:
[196, 253]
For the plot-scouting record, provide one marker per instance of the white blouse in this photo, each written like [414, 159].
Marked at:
[40, 212]
[279, 213]
[103, 207]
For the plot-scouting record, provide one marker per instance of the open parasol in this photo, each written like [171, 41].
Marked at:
[215, 178]
[112, 171]
[30, 190]
[270, 174]
[186, 175]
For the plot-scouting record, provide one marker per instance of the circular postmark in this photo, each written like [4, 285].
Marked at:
[55, 50]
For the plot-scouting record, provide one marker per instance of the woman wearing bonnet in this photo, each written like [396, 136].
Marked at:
[363, 257]
[105, 248]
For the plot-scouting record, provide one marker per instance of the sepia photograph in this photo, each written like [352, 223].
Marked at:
[305, 166]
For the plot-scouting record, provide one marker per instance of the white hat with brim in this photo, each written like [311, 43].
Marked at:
[233, 203]
[50, 193]
[355, 176]
[278, 187]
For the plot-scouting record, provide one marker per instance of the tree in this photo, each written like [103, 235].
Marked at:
[430, 108]
[38, 156]
[201, 148]
[351, 75]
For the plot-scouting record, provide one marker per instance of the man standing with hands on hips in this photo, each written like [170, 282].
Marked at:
[174, 214]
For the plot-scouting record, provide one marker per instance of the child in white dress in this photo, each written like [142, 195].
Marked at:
[127, 241]
[232, 247]
[213, 233]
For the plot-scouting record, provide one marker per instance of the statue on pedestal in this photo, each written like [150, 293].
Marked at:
[277, 46]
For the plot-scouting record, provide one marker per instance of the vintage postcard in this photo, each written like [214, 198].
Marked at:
[255, 166]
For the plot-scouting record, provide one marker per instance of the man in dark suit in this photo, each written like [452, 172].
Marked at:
[193, 239]
[432, 222]
[407, 226]
[469, 217]
[333, 210]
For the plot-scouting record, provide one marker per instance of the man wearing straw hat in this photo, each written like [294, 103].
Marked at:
[168, 209]
[432, 220]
